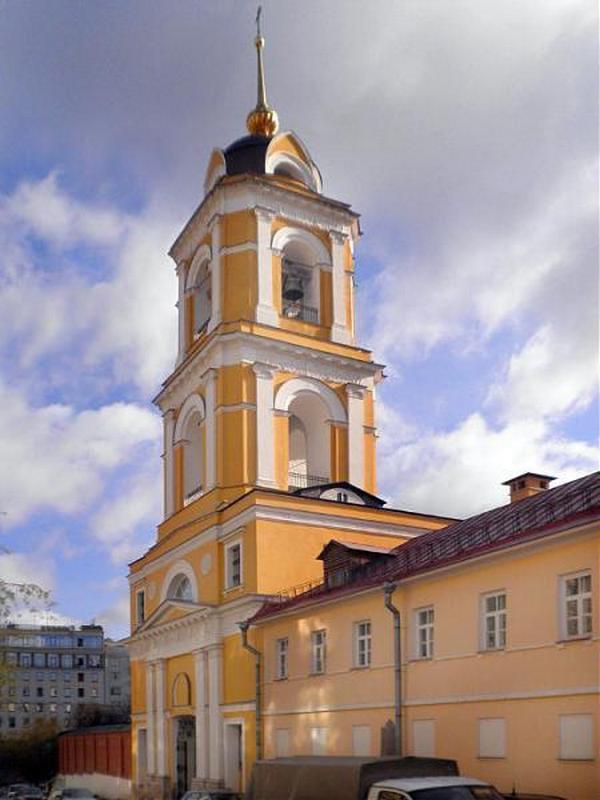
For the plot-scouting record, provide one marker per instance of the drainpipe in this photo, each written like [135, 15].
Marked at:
[388, 590]
[258, 694]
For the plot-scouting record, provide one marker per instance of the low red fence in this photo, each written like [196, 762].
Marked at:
[105, 750]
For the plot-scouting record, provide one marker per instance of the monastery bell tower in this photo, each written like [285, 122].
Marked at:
[269, 388]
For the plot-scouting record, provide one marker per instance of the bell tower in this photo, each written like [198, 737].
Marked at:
[269, 387]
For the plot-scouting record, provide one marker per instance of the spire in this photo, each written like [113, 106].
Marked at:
[262, 120]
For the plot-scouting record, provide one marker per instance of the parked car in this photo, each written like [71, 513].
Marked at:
[199, 794]
[520, 796]
[71, 793]
[24, 791]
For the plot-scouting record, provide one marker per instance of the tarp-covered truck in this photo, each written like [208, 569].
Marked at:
[356, 778]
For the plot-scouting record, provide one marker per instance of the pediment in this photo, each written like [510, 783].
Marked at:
[171, 610]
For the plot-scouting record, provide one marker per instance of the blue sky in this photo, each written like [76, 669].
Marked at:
[464, 132]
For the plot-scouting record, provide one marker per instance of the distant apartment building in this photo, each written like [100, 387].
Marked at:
[48, 671]
[117, 681]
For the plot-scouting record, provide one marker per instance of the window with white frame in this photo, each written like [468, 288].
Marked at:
[318, 738]
[493, 621]
[233, 565]
[140, 611]
[576, 605]
[362, 643]
[424, 620]
[281, 649]
[576, 737]
[319, 654]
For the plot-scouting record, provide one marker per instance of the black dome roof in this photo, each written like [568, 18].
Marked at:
[248, 154]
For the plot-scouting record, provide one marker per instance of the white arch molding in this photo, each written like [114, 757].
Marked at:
[201, 256]
[180, 567]
[193, 403]
[308, 164]
[288, 235]
[292, 167]
[288, 391]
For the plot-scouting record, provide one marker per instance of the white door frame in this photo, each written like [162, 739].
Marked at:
[238, 722]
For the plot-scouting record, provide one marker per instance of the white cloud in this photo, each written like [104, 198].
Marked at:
[51, 306]
[459, 472]
[45, 211]
[118, 519]
[115, 618]
[59, 458]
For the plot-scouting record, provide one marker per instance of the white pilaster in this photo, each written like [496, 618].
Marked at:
[356, 438]
[168, 466]
[181, 312]
[161, 753]
[210, 427]
[265, 445]
[265, 310]
[215, 272]
[202, 734]
[151, 754]
[215, 722]
[339, 329]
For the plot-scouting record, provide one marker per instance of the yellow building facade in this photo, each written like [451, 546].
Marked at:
[269, 450]
[498, 654]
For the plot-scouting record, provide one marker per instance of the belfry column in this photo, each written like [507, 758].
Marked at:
[265, 311]
[159, 674]
[214, 227]
[265, 466]
[201, 716]
[210, 398]
[151, 755]
[215, 723]
[169, 477]
[180, 272]
[356, 434]
[339, 328]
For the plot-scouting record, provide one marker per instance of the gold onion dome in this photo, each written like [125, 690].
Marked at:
[262, 120]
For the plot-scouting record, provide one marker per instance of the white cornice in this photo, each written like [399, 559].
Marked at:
[273, 513]
[250, 193]
[237, 348]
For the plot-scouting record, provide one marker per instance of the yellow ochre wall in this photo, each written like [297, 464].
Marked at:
[461, 684]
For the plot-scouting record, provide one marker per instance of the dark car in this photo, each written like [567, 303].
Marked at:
[24, 791]
[521, 796]
[200, 794]
[72, 793]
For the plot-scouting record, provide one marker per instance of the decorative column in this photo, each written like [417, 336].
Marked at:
[356, 434]
[215, 722]
[159, 680]
[210, 427]
[151, 755]
[265, 466]
[181, 272]
[339, 327]
[168, 466]
[265, 311]
[214, 227]
[202, 736]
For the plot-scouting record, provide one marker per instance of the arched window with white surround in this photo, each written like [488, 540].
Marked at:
[199, 288]
[180, 588]
[302, 256]
[311, 406]
[189, 434]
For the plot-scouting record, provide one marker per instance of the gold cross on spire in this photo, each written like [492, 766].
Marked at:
[263, 120]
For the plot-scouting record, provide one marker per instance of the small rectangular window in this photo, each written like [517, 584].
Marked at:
[424, 618]
[233, 565]
[362, 643]
[140, 611]
[282, 658]
[493, 621]
[318, 737]
[492, 738]
[576, 605]
[319, 651]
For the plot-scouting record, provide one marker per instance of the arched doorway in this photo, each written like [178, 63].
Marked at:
[185, 753]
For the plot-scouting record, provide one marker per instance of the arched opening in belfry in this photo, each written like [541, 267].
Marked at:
[300, 286]
[308, 442]
[193, 457]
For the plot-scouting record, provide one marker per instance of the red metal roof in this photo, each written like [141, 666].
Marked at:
[497, 529]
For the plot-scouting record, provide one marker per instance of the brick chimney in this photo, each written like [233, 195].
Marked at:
[527, 484]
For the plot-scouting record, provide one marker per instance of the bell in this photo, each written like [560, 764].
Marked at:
[292, 288]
